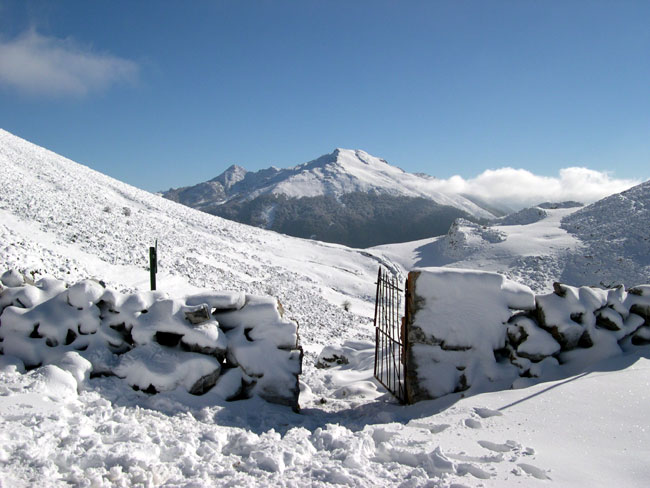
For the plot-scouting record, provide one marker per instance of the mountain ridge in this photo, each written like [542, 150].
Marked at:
[339, 172]
[324, 190]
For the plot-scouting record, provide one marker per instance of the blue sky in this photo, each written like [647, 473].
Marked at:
[163, 94]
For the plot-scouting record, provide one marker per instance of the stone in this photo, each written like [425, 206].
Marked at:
[198, 316]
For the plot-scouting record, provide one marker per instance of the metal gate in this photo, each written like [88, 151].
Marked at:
[390, 364]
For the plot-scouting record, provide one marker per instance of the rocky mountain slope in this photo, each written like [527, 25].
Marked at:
[615, 232]
[349, 197]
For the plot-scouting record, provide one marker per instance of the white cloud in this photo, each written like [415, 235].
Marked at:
[42, 65]
[513, 189]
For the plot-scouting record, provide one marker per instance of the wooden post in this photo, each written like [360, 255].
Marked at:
[409, 313]
[153, 265]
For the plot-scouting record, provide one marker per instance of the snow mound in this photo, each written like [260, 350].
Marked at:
[153, 342]
[523, 217]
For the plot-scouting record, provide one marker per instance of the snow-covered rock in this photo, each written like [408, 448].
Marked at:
[531, 341]
[154, 368]
[523, 217]
[12, 277]
[264, 345]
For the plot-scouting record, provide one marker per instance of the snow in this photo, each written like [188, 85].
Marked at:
[59, 427]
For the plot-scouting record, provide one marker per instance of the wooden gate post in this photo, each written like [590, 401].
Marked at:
[410, 307]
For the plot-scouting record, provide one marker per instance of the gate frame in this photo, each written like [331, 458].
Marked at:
[391, 332]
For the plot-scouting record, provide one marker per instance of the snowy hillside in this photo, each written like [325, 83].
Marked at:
[533, 252]
[604, 244]
[616, 235]
[61, 219]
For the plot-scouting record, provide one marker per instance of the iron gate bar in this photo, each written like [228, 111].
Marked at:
[390, 367]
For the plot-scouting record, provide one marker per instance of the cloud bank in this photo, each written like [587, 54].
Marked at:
[41, 65]
[512, 189]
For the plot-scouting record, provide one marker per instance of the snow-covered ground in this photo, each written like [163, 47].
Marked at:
[606, 244]
[61, 219]
[533, 253]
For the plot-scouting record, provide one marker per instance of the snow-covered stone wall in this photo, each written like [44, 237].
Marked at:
[233, 344]
[478, 330]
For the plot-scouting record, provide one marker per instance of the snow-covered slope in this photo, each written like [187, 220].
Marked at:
[533, 253]
[606, 243]
[343, 171]
[616, 236]
[65, 220]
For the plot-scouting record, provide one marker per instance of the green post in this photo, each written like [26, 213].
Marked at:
[153, 264]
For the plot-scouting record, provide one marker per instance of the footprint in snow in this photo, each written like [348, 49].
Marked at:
[534, 471]
[437, 428]
[465, 468]
[473, 424]
[434, 428]
[489, 459]
[507, 447]
[485, 413]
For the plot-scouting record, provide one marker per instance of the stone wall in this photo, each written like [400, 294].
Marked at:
[229, 344]
[479, 331]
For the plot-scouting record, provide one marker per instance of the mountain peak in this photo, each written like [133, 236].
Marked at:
[350, 157]
[234, 174]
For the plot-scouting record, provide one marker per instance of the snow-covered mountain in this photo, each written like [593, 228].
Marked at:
[62, 219]
[343, 171]
[340, 189]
